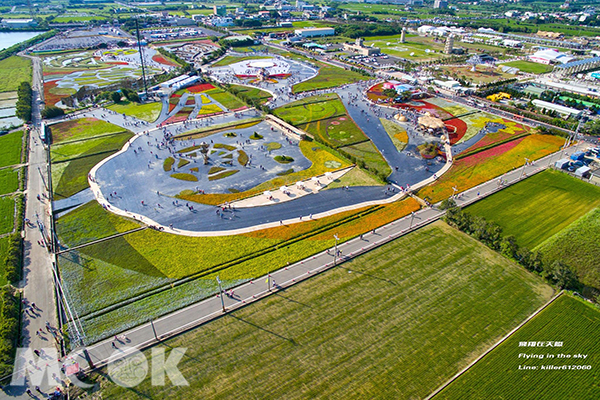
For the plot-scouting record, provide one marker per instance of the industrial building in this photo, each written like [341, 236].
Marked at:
[18, 23]
[312, 32]
[562, 110]
[361, 49]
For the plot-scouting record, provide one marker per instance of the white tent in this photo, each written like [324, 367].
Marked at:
[582, 171]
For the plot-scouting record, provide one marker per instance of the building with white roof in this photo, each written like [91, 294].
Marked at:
[550, 56]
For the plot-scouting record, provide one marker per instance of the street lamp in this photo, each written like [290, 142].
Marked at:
[523, 170]
[412, 217]
[335, 250]
[221, 294]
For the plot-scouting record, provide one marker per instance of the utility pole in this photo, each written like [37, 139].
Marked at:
[137, 29]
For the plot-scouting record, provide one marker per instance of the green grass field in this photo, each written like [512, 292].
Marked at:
[84, 148]
[394, 323]
[106, 273]
[146, 112]
[10, 148]
[225, 98]
[9, 180]
[530, 67]
[311, 109]
[367, 152]
[578, 246]
[253, 93]
[228, 60]
[497, 375]
[91, 222]
[85, 128]
[329, 77]
[13, 71]
[7, 214]
[538, 207]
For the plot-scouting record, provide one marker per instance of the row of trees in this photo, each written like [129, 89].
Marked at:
[490, 234]
[25, 96]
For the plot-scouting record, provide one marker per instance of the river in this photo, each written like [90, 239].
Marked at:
[8, 39]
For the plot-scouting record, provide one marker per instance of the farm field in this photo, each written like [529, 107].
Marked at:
[497, 375]
[329, 77]
[578, 246]
[7, 214]
[10, 148]
[538, 207]
[470, 171]
[529, 67]
[9, 180]
[151, 259]
[13, 71]
[147, 112]
[359, 324]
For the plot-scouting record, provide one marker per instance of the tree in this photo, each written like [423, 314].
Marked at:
[24, 95]
[509, 246]
[116, 97]
[561, 274]
[447, 204]
[52, 112]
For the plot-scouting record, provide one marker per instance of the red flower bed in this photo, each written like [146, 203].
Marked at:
[494, 151]
[117, 62]
[51, 98]
[201, 87]
[500, 135]
[161, 60]
[456, 129]
[63, 72]
[176, 118]
[190, 102]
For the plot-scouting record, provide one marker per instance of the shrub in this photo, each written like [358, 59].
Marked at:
[24, 95]
[256, 136]
[284, 159]
[168, 164]
[14, 257]
[9, 327]
[185, 177]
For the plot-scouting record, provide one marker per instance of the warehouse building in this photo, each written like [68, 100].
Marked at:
[313, 32]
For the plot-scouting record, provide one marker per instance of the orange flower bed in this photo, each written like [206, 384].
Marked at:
[473, 170]
[363, 224]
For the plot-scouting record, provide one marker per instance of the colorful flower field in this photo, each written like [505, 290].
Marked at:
[161, 60]
[499, 130]
[473, 170]
[199, 88]
[50, 95]
[180, 116]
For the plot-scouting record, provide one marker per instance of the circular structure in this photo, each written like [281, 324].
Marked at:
[268, 67]
[261, 64]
